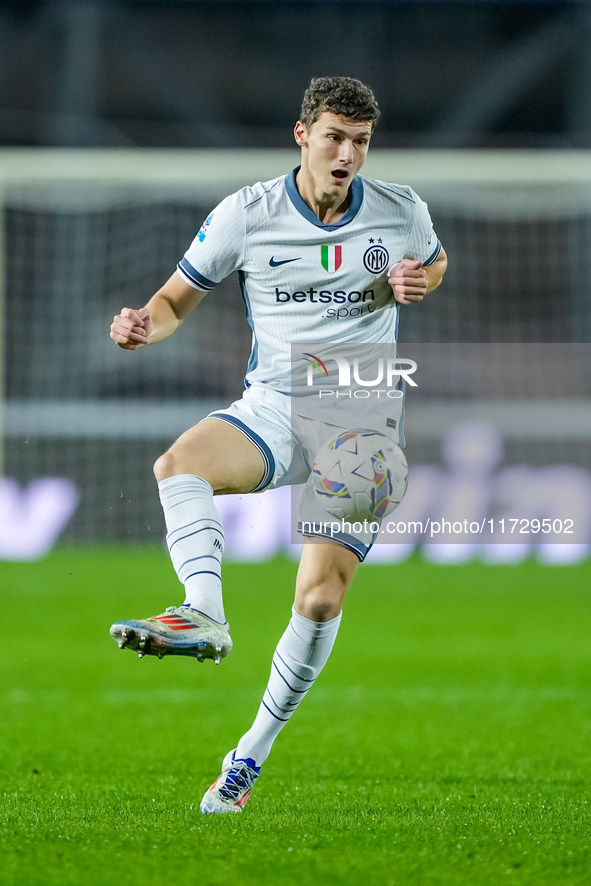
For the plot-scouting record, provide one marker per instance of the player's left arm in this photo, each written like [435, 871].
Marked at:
[411, 280]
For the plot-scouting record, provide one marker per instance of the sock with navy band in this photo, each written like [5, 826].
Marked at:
[195, 538]
[301, 654]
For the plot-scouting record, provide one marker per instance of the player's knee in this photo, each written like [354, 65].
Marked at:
[320, 602]
[319, 610]
[168, 465]
[179, 460]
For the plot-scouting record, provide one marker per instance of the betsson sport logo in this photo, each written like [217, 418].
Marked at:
[361, 302]
[393, 370]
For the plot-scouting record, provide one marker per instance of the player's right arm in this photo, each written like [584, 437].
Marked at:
[216, 251]
[164, 313]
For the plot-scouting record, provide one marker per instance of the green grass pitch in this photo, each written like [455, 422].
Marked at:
[446, 742]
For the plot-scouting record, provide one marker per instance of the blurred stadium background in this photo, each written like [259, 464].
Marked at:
[123, 123]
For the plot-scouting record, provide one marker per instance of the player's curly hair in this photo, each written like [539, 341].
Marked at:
[339, 95]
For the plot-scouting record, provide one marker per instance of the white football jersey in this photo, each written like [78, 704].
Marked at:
[302, 280]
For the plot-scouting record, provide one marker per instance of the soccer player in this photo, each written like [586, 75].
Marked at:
[323, 255]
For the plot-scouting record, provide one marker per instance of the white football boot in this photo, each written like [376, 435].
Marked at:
[178, 631]
[231, 790]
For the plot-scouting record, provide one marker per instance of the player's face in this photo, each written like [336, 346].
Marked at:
[334, 150]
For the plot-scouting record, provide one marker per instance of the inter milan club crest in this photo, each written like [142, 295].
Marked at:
[331, 257]
[376, 258]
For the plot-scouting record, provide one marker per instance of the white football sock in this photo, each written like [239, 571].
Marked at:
[301, 654]
[195, 541]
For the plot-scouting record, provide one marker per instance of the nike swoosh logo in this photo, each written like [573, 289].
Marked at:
[275, 264]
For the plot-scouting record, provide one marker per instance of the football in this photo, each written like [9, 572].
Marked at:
[360, 475]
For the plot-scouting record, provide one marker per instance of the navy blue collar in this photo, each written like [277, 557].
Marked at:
[303, 208]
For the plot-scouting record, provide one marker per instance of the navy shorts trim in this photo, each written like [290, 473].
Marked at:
[258, 442]
[342, 538]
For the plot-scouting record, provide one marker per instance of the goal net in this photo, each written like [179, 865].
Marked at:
[86, 232]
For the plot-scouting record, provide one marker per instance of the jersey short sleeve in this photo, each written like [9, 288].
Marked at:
[423, 244]
[218, 248]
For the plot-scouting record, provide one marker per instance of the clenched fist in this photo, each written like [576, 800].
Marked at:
[409, 281]
[130, 329]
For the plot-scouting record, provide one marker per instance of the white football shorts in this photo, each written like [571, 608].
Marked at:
[264, 415]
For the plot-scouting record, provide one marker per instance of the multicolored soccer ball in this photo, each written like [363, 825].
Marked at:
[360, 475]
